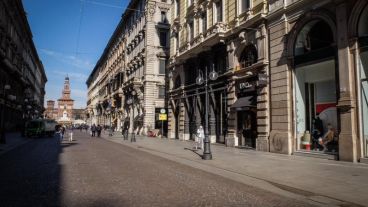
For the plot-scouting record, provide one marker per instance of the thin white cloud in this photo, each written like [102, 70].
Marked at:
[69, 59]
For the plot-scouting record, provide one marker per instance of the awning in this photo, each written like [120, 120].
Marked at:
[244, 103]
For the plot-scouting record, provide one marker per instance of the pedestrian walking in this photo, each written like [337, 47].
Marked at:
[99, 129]
[62, 132]
[93, 130]
[71, 134]
[199, 137]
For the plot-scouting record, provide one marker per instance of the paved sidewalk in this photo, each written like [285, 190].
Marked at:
[325, 182]
[13, 140]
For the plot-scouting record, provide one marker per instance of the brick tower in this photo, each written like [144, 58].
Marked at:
[65, 103]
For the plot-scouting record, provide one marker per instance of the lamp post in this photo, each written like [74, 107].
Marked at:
[207, 155]
[131, 101]
[2, 130]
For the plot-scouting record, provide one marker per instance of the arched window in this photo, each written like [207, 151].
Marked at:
[249, 56]
[314, 36]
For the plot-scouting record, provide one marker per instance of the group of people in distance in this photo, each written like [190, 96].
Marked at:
[95, 129]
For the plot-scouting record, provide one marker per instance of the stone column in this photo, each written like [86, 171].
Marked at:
[348, 139]
[231, 139]
[186, 134]
[211, 121]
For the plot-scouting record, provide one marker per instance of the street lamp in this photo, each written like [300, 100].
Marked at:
[207, 155]
[2, 130]
[131, 101]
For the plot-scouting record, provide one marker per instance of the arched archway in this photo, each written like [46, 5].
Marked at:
[312, 55]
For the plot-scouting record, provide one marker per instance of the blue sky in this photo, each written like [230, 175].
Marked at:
[56, 26]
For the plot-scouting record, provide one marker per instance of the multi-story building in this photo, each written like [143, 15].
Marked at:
[229, 38]
[291, 74]
[127, 84]
[22, 76]
[318, 70]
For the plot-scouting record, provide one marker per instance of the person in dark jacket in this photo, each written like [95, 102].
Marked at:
[99, 129]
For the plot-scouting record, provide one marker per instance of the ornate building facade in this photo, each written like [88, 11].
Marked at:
[319, 76]
[127, 85]
[289, 74]
[227, 38]
[22, 76]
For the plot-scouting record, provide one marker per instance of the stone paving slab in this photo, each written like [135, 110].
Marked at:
[334, 183]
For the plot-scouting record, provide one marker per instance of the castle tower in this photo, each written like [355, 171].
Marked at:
[65, 104]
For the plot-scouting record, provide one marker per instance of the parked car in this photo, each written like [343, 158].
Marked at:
[40, 127]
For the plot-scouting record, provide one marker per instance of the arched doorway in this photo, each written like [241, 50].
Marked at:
[315, 88]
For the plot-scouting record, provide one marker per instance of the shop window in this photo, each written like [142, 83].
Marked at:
[315, 106]
[248, 56]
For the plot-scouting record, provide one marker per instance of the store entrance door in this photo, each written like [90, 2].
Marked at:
[247, 128]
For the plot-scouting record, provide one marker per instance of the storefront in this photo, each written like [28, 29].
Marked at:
[245, 107]
[316, 89]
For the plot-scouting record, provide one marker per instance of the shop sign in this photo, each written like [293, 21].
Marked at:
[251, 83]
[245, 86]
[162, 117]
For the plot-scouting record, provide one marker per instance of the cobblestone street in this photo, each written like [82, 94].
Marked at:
[96, 172]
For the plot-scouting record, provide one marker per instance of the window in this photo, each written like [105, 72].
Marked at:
[163, 17]
[244, 5]
[163, 38]
[162, 66]
[189, 2]
[248, 56]
[176, 39]
[204, 22]
[177, 10]
[218, 11]
[191, 30]
[161, 92]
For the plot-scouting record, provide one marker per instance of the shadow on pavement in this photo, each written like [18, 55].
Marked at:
[194, 151]
[30, 174]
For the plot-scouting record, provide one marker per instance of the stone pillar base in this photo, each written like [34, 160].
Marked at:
[212, 138]
[347, 148]
[280, 142]
[262, 143]
[231, 140]
[171, 135]
[185, 136]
